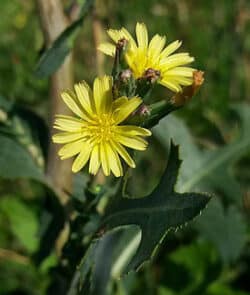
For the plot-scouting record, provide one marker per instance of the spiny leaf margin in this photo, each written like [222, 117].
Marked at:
[156, 214]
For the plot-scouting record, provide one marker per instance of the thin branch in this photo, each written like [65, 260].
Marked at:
[97, 34]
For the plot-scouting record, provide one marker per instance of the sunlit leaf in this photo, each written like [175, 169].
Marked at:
[207, 169]
[22, 220]
[16, 162]
[52, 58]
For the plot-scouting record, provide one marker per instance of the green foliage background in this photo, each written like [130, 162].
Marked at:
[211, 255]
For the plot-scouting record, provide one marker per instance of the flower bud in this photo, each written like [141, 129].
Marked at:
[125, 75]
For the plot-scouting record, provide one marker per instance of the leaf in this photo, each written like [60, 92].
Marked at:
[219, 288]
[52, 222]
[165, 291]
[137, 222]
[214, 170]
[207, 169]
[35, 131]
[5, 105]
[105, 259]
[16, 162]
[199, 264]
[52, 58]
[226, 229]
[103, 263]
[22, 220]
[156, 214]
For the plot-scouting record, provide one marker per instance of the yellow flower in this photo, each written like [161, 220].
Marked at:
[145, 55]
[95, 132]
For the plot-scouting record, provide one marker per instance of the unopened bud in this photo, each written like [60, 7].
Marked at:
[143, 110]
[121, 44]
[125, 75]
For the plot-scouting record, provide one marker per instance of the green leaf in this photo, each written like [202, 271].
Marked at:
[51, 224]
[202, 170]
[137, 222]
[213, 170]
[157, 213]
[5, 105]
[22, 220]
[219, 288]
[52, 58]
[165, 291]
[199, 264]
[226, 229]
[105, 259]
[16, 162]
[23, 137]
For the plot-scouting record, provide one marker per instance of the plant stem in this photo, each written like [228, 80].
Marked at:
[53, 22]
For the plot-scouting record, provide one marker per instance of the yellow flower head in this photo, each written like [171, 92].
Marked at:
[143, 55]
[95, 132]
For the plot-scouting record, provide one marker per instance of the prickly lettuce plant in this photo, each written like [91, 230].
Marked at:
[111, 232]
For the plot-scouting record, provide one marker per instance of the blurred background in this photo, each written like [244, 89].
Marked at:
[209, 256]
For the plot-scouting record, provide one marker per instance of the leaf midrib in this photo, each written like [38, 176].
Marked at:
[145, 210]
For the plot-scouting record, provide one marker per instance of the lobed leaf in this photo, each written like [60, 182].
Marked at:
[156, 214]
[151, 217]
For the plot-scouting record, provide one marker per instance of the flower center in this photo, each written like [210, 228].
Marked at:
[102, 130]
[152, 75]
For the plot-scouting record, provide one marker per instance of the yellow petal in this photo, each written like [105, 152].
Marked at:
[125, 109]
[181, 71]
[156, 45]
[68, 123]
[107, 48]
[142, 35]
[133, 142]
[132, 130]
[175, 60]
[127, 36]
[115, 35]
[114, 161]
[181, 80]
[85, 96]
[171, 85]
[119, 102]
[103, 94]
[71, 149]
[82, 158]
[172, 47]
[104, 159]
[123, 153]
[65, 137]
[94, 163]
[70, 99]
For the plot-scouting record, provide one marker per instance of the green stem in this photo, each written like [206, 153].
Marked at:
[157, 111]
